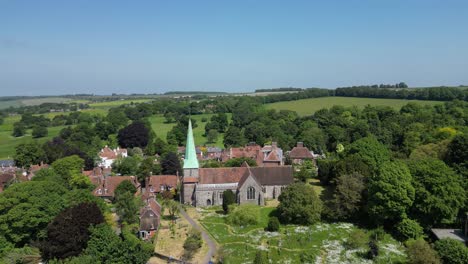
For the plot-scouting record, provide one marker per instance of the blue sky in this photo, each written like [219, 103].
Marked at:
[102, 47]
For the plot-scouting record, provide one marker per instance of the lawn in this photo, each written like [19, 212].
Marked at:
[323, 241]
[309, 106]
[161, 128]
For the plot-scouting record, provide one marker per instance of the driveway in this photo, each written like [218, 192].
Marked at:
[211, 244]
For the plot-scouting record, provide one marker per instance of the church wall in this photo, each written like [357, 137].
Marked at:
[272, 191]
[242, 195]
[188, 189]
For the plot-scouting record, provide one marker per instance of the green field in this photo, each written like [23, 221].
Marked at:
[161, 128]
[322, 241]
[309, 106]
[110, 104]
[8, 142]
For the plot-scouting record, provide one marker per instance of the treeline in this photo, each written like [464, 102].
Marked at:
[283, 89]
[46, 108]
[431, 93]
[398, 85]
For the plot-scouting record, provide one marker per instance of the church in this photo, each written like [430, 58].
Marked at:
[205, 186]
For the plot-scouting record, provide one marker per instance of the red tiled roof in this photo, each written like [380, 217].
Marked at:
[165, 180]
[300, 153]
[109, 184]
[37, 167]
[220, 175]
[108, 153]
[273, 156]
[190, 180]
[4, 179]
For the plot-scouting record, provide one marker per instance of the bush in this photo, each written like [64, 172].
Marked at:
[192, 243]
[39, 131]
[228, 198]
[452, 251]
[299, 205]
[273, 224]
[261, 257]
[420, 252]
[245, 214]
[378, 234]
[356, 239]
[373, 250]
[409, 229]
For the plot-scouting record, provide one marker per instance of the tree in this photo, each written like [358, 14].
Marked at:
[451, 251]
[228, 198]
[234, 137]
[134, 135]
[212, 136]
[170, 164]
[126, 207]
[348, 196]
[371, 151]
[356, 239]
[457, 153]
[68, 233]
[26, 208]
[243, 215]
[27, 154]
[420, 252]
[273, 224]
[261, 257]
[126, 166]
[192, 243]
[124, 187]
[67, 167]
[439, 192]
[39, 131]
[409, 229]
[106, 247]
[390, 192]
[19, 129]
[299, 205]
[238, 162]
[172, 207]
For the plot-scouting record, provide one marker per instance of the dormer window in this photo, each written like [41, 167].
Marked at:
[162, 188]
[99, 191]
[151, 188]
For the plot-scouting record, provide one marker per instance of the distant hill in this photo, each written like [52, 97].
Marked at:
[193, 93]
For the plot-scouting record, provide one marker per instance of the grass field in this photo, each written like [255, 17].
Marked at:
[110, 104]
[323, 242]
[161, 128]
[309, 106]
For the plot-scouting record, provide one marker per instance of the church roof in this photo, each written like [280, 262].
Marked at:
[190, 159]
[278, 175]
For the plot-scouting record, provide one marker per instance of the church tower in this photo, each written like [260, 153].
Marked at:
[190, 160]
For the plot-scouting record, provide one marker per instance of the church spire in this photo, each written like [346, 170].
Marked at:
[190, 161]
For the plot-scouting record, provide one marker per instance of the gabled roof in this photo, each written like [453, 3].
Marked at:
[150, 215]
[156, 181]
[109, 184]
[279, 175]
[220, 175]
[109, 153]
[248, 174]
[300, 153]
[273, 156]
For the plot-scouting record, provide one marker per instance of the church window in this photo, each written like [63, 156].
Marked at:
[250, 193]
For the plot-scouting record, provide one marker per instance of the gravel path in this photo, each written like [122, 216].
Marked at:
[211, 244]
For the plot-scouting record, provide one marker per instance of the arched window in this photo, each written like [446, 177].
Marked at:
[251, 193]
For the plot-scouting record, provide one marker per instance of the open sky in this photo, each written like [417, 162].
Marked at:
[102, 47]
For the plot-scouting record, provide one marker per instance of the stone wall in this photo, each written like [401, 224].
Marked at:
[242, 195]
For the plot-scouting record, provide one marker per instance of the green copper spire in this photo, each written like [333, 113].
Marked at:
[190, 161]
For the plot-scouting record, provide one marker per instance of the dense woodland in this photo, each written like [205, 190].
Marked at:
[403, 171]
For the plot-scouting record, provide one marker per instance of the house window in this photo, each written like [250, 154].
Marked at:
[162, 188]
[251, 193]
[263, 189]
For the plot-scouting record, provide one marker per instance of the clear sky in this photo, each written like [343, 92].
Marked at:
[101, 47]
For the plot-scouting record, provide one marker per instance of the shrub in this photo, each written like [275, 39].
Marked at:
[273, 224]
[420, 252]
[373, 250]
[246, 214]
[299, 205]
[409, 229]
[452, 251]
[356, 239]
[228, 198]
[261, 257]
[378, 234]
[192, 243]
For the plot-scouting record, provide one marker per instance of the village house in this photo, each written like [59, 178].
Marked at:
[160, 183]
[268, 156]
[106, 185]
[150, 217]
[300, 153]
[7, 166]
[108, 156]
[205, 186]
[6, 179]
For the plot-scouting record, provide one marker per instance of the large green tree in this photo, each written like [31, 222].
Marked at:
[348, 198]
[439, 192]
[391, 193]
[27, 154]
[371, 151]
[299, 205]
[26, 209]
